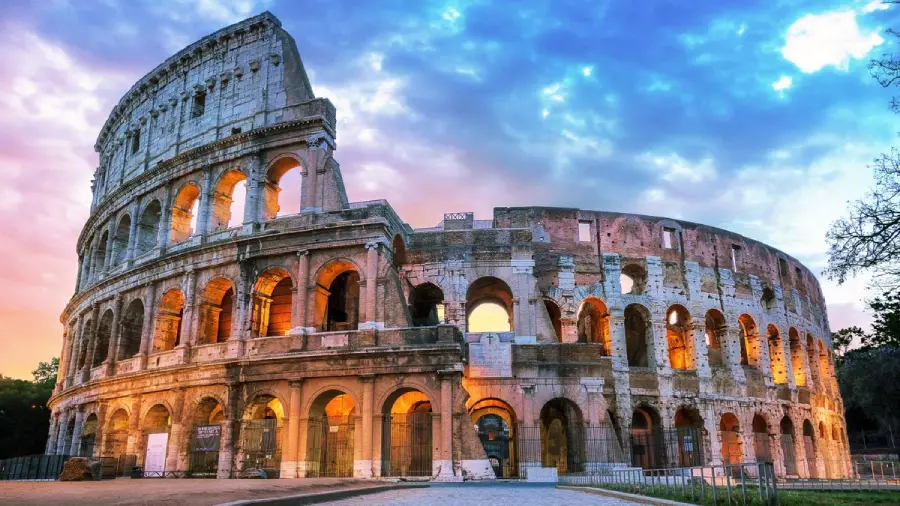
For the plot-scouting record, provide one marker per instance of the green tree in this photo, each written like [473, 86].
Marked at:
[24, 416]
[869, 380]
[844, 338]
[46, 372]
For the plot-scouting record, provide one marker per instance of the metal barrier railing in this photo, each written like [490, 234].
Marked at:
[737, 484]
[32, 468]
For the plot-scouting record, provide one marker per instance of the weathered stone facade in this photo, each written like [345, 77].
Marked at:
[335, 342]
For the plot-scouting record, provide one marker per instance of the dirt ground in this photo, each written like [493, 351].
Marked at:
[163, 491]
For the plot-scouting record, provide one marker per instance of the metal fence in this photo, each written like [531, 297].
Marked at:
[658, 449]
[32, 468]
[261, 447]
[738, 484]
[406, 445]
[572, 449]
[330, 447]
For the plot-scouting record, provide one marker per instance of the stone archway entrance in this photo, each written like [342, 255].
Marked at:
[562, 436]
[406, 434]
[647, 450]
[205, 438]
[496, 427]
[330, 436]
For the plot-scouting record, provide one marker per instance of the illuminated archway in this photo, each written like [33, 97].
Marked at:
[593, 324]
[330, 436]
[489, 306]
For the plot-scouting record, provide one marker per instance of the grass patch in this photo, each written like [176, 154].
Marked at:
[838, 497]
[707, 495]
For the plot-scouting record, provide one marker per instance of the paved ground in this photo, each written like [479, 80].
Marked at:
[126, 492]
[463, 495]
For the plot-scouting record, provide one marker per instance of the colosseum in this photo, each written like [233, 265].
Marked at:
[211, 335]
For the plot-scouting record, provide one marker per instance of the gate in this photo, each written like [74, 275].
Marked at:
[261, 446]
[761, 447]
[406, 445]
[656, 449]
[499, 445]
[690, 446]
[330, 447]
[204, 455]
[790, 460]
[810, 450]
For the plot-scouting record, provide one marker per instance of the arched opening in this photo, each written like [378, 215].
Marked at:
[716, 331]
[689, 433]
[284, 174]
[206, 435]
[227, 201]
[647, 446]
[638, 335]
[495, 424]
[84, 341]
[330, 436]
[167, 332]
[104, 331]
[68, 435]
[148, 228]
[86, 261]
[633, 279]
[337, 297]
[399, 248]
[131, 330]
[155, 440]
[776, 355]
[749, 341]
[406, 434]
[824, 370]
[272, 303]
[115, 438]
[812, 360]
[679, 336]
[120, 240]
[593, 324]
[762, 447]
[787, 446]
[489, 306]
[88, 436]
[809, 448]
[835, 454]
[184, 213]
[798, 358]
[426, 305]
[732, 448]
[261, 428]
[562, 441]
[99, 261]
[216, 309]
[555, 315]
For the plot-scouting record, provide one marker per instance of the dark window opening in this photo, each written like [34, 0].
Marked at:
[235, 130]
[199, 105]
[136, 142]
[735, 257]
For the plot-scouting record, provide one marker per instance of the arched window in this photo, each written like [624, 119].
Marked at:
[132, 329]
[732, 449]
[761, 444]
[184, 213]
[593, 323]
[798, 358]
[216, 309]
[679, 335]
[824, 369]
[689, 433]
[100, 254]
[812, 360]
[337, 296]
[787, 446]
[555, 315]
[148, 228]
[104, 331]
[272, 302]
[633, 279]
[638, 335]
[167, 332]
[399, 248]
[426, 305]
[776, 355]
[120, 240]
[715, 336]
[84, 340]
[809, 447]
[562, 443]
[489, 306]
[749, 341]
[283, 188]
[647, 445]
[228, 201]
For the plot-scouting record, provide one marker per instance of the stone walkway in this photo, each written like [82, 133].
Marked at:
[468, 495]
[127, 492]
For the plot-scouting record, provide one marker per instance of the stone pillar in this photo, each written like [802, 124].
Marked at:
[205, 208]
[98, 432]
[226, 442]
[165, 227]
[701, 349]
[63, 421]
[76, 434]
[311, 181]
[53, 434]
[91, 343]
[132, 233]
[255, 185]
[731, 346]
[62, 371]
[300, 318]
[363, 467]
[292, 426]
[372, 257]
[113, 351]
[147, 330]
[110, 241]
[660, 344]
[239, 319]
[618, 351]
[188, 336]
[174, 446]
[446, 455]
[711, 424]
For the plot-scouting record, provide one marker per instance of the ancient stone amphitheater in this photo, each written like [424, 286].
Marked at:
[336, 340]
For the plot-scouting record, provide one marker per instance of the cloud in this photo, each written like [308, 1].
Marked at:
[816, 41]
[875, 5]
[783, 83]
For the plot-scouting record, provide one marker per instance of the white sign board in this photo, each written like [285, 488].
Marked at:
[490, 358]
[155, 460]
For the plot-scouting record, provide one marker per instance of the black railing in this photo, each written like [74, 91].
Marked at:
[406, 445]
[659, 449]
[329, 451]
[570, 449]
[261, 447]
[32, 468]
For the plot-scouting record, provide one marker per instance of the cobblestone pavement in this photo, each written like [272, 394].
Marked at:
[462, 495]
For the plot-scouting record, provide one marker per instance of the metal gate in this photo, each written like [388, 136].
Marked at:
[790, 460]
[499, 445]
[690, 446]
[330, 447]
[761, 447]
[810, 449]
[406, 445]
[731, 448]
[261, 446]
[204, 455]
[656, 449]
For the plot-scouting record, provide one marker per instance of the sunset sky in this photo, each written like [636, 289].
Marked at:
[755, 116]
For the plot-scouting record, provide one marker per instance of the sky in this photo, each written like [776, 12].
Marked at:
[755, 116]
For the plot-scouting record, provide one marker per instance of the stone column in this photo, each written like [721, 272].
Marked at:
[63, 421]
[98, 432]
[76, 434]
[188, 336]
[226, 442]
[132, 233]
[292, 426]
[660, 344]
[133, 443]
[53, 434]
[372, 256]
[240, 317]
[165, 228]
[174, 446]
[302, 292]
[62, 371]
[701, 349]
[363, 466]
[113, 351]
[731, 346]
[255, 185]
[147, 330]
[110, 241]
[204, 210]
[311, 181]
[711, 424]
[446, 456]
[91, 343]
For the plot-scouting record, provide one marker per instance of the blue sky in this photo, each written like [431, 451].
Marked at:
[755, 116]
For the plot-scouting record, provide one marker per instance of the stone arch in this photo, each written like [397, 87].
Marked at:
[84, 341]
[115, 434]
[593, 324]
[156, 420]
[331, 424]
[120, 240]
[786, 427]
[824, 370]
[732, 445]
[407, 433]
[337, 295]
[184, 212]
[716, 332]
[750, 348]
[223, 197]
[207, 415]
[679, 337]
[798, 358]
[633, 279]
[689, 432]
[99, 261]
[555, 315]
[167, 331]
[496, 426]
[132, 329]
[104, 333]
[261, 433]
[426, 305]
[148, 228]
[491, 293]
[638, 336]
[812, 360]
[216, 310]
[286, 164]
[647, 444]
[777, 361]
[562, 446]
[762, 446]
[811, 447]
[398, 245]
[272, 303]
